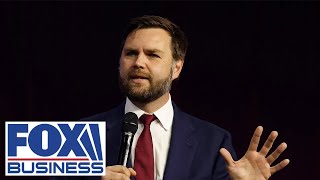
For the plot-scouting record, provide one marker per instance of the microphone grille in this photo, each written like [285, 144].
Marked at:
[130, 123]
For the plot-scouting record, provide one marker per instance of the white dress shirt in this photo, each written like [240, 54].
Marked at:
[160, 132]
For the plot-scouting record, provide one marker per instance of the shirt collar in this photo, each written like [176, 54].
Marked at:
[164, 114]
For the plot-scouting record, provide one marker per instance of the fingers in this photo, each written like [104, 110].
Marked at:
[226, 156]
[118, 172]
[133, 172]
[263, 167]
[119, 169]
[255, 139]
[269, 142]
[279, 166]
[276, 153]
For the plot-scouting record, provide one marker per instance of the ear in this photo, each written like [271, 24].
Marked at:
[177, 68]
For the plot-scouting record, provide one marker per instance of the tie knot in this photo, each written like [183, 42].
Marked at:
[146, 119]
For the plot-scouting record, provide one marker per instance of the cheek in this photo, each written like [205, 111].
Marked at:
[123, 66]
[161, 72]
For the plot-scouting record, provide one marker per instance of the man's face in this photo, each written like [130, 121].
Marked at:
[146, 65]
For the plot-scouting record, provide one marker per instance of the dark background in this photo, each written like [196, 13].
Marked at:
[248, 64]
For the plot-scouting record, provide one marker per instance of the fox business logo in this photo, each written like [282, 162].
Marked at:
[55, 148]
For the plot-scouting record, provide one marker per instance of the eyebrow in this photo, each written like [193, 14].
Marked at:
[154, 51]
[147, 50]
[128, 49]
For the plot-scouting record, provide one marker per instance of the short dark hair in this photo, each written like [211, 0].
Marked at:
[179, 41]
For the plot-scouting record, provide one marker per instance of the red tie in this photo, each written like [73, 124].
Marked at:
[143, 163]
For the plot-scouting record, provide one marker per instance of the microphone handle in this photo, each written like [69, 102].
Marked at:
[125, 148]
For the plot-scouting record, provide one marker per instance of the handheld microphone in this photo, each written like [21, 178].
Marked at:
[129, 128]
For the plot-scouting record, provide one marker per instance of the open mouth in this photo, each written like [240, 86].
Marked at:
[138, 78]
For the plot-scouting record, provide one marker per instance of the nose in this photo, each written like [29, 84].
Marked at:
[141, 61]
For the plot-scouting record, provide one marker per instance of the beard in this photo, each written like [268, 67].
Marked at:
[139, 93]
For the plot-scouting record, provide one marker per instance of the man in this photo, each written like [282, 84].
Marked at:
[183, 147]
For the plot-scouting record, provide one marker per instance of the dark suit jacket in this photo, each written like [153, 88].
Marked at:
[194, 148]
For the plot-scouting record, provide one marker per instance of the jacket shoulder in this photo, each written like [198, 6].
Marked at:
[210, 132]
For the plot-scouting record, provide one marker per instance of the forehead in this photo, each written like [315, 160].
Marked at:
[148, 38]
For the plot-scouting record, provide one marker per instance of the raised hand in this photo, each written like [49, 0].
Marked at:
[256, 165]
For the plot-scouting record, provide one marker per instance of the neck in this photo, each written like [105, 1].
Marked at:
[153, 106]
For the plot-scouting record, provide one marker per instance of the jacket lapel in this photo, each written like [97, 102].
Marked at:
[114, 121]
[182, 147]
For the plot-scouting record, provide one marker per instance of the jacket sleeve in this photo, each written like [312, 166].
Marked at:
[219, 170]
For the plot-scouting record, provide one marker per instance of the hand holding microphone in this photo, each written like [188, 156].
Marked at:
[118, 172]
[129, 128]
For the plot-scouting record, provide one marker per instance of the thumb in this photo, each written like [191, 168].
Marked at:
[226, 156]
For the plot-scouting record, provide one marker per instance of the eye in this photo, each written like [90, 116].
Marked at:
[154, 55]
[131, 53]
